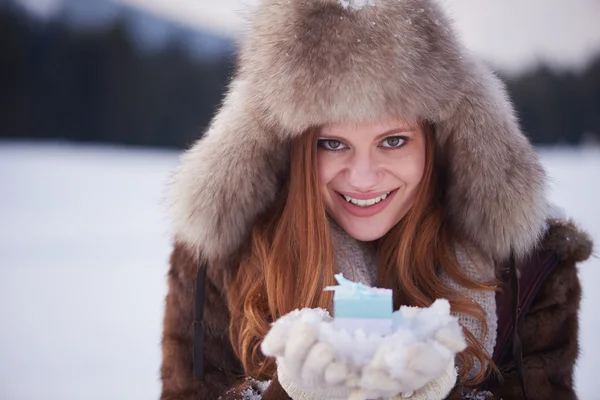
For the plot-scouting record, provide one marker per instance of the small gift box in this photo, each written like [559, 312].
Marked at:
[360, 307]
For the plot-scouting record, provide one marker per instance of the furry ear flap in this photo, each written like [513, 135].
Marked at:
[226, 179]
[496, 186]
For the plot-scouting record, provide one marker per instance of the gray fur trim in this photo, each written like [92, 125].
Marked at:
[310, 62]
[226, 179]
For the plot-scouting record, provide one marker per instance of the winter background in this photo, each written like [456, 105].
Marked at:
[85, 241]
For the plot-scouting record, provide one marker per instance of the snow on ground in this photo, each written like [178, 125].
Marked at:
[83, 257]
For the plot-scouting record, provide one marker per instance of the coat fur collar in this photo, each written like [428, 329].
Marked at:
[309, 62]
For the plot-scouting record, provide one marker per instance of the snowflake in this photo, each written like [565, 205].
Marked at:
[356, 4]
[476, 395]
[256, 391]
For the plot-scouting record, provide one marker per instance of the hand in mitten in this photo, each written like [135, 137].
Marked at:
[417, 357]
[306, 365]
[316, 360]
[436, 389]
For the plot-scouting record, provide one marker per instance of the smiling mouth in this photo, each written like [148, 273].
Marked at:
[364, 203]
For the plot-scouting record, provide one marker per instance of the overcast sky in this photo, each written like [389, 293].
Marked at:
[512, 34]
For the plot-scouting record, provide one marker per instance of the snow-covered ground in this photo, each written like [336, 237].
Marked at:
[84, 247]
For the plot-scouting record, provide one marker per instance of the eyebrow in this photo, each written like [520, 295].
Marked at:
[390, 132]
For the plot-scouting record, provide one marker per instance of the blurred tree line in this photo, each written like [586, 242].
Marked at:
[60, 82]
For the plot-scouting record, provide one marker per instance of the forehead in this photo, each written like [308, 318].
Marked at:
[374, 127]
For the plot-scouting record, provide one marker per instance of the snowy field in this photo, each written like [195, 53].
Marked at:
[84, 247]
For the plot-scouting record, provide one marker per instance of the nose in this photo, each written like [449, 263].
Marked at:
[363, 173]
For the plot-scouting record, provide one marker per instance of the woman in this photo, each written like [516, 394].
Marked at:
[361, 137]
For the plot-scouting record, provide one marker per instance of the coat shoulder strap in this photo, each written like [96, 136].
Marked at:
[521, 282]
[199, 321]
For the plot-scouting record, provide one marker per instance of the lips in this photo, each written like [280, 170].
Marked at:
[365, 210]
[366, 202]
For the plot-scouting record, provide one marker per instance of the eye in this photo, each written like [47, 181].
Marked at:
[330, 144]
[394, 142]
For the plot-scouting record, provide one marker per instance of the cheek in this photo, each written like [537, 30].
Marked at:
[409, 169]
[416, 173]
[328, 168]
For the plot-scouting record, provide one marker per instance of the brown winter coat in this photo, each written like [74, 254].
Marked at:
[305, 63]
[548, 328]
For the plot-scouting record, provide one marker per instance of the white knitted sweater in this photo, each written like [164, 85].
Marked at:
[357, 261]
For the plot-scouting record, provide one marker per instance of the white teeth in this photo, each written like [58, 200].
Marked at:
[368, 202]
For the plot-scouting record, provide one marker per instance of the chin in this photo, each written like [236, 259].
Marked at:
[365, 231]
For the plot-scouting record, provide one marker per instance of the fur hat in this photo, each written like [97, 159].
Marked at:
[305, 63]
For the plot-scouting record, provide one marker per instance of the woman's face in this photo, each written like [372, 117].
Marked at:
[369, 174]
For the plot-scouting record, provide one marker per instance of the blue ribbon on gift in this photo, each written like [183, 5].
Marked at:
[350, 287]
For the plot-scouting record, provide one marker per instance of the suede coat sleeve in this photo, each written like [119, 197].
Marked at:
[222, 368]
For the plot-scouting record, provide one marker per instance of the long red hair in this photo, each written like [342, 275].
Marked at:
[290, 260]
